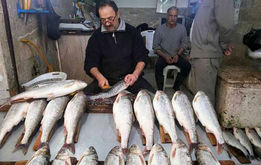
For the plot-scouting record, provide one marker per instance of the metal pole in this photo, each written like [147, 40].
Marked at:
[10, 41]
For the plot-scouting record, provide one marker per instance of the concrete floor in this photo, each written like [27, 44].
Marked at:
[102, 136]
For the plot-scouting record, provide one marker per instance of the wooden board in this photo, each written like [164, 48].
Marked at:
[238, 155]
[212, 139]
[37, 142]
[222, 162]
[188, 138]
[164, 137]
[5, 108]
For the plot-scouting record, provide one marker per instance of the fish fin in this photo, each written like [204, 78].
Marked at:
[142, 160]
[150, 159]
[173, 153]
[23, 147]
[5, 105]
[71, 147]
[142, 132]
[220, 148]
[118, 135]
[192, 146]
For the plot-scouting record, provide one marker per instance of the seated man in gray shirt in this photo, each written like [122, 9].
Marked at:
[170, 40]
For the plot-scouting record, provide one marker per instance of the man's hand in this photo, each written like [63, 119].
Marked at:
[175, 59]
[102, 81]
[130, 79]
[168, 60]
[228, 51]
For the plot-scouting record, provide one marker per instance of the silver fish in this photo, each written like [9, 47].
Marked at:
[158, 156]
[253, 137]
[62, 158]
[72, 115]
[135, 156]
[33, 118]
[40, 157]
[258, 131]
[113, 91]
[208, 118]
[123, 118]
[14, 116]
[232, 141]
[53, 112]
[179, 154]
[165, 115]
[205, 156]
[115, 157]
[145, 115]
[243, 139]
[89, 157]
[185, 116]
[51, 91]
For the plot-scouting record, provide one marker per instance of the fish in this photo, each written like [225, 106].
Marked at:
[115, 157]
[33, 118]
[243, 139]
[206, 114]
[50, 91]
[158, 156]
[185, 116]
[135, 156]
[144, 113]
[72, 115]
[123, 117]
[179, 154]
[63, 157]
[113, 91]
[14, 116]
[164, 113]
[205, 156]
[258, 130]
[232, 141]
[89, 157]
[40, 157]
[52, 113]
[253, 137]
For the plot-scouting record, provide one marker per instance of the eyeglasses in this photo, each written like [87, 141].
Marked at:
[110, 19]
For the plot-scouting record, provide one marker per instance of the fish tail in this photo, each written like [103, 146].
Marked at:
[192, 146]
[23, 147]
[6, 104]
[70, 146]
[220, 148]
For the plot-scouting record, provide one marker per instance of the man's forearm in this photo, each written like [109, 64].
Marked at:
[160, 53]
[180, 51]
[96, 73]
[139, 68]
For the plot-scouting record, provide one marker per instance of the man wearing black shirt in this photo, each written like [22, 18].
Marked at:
[114, 52]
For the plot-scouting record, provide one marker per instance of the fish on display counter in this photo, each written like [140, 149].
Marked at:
[89, 157]
[206, 114]
[185, 116]
[135, 156]
[253, 137]
[205, 156]
[123, 117]
[243, 139]
[63, 157]
[72, 115]
[158, 156]
[113, 91]
[40, 157]
[50, 91]
[179, 154]
[258, 131]
[165, 115]
[33, 118]
[52, 113]
[115, 157]
[144, 113]
[14, 116]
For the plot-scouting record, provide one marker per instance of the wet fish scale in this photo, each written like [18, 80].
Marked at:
[158, 156]
[180, 154]
[89, 157]
[115, 157]
[205, 156]
[135, 156]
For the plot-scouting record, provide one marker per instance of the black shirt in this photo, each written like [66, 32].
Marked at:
[115, 54]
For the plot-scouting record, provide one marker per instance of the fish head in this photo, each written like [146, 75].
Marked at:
[116, 151]
[135, 149]
[91, 151]
[43, 151]
[198, 94]
[160, 95]
[63, 154]
[157, 148]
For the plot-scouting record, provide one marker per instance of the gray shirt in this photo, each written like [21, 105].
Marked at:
[170, 40]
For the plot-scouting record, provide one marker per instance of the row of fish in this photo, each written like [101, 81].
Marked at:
[179, 156]
[48, 114]
[244, 140]
[165, 111]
